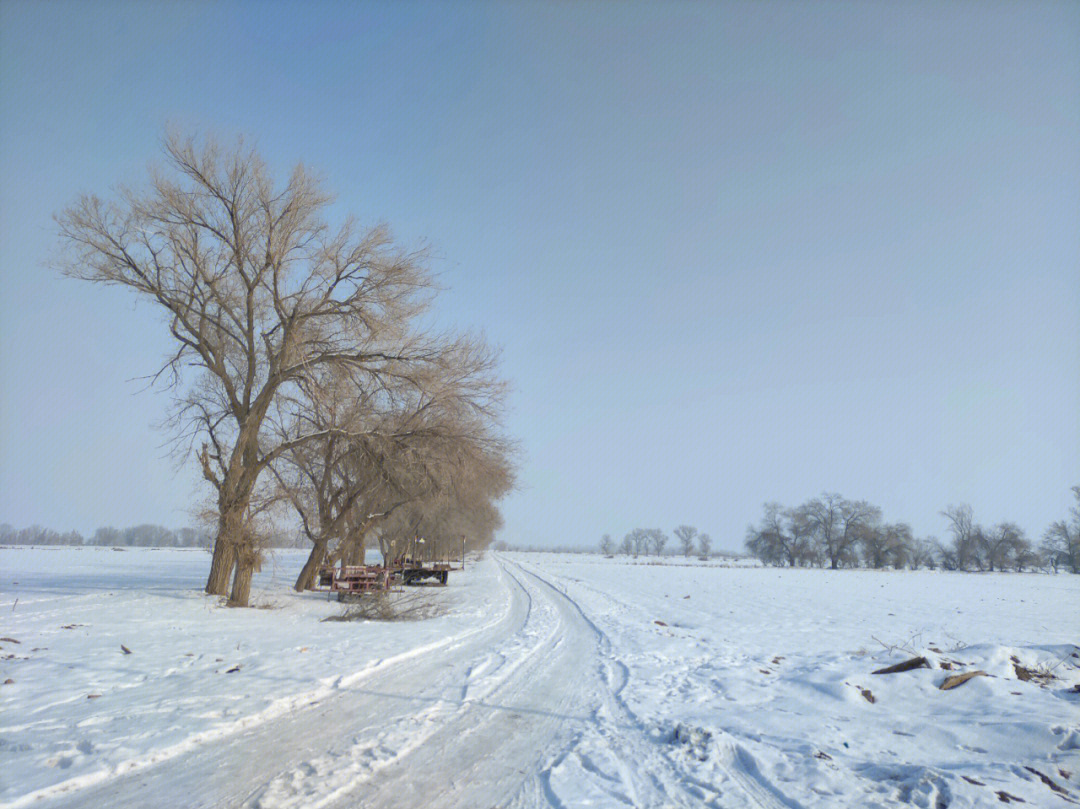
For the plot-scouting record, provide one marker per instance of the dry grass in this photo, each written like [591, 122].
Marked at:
[390, 606]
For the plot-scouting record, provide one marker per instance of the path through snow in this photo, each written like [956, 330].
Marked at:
[548, 682]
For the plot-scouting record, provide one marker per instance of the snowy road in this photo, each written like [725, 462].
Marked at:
[545, 680]
[523, 710]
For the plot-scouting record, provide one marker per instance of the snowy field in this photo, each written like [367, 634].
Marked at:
[545, 680]
[764, 670]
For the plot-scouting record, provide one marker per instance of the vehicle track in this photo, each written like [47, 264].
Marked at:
[524, 711]
[227, 767]
[735, 779]
[507, 745]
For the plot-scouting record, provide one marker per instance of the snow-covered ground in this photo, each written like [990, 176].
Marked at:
[763, 672]
[561, 680]
[80, 710]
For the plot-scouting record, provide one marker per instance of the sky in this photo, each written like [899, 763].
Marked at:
[732, 252]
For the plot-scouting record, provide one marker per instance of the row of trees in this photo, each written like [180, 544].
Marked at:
[836, 532]
[306, 380]
[36, 535]
[643, 541]
[146, 535]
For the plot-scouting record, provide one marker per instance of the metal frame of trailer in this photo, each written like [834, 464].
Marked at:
[353, 580]
[413, 572]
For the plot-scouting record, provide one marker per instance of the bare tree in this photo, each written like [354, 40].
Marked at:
[1026, 556]
[901, 543]
[704, 544]
[885, 544]
[964, 551]
[768, 542]
[627, 545]
[1061, 542]
[639, 541]
[607, 547]
[328, 480]
[856, 517]
[443, 517]
[685, 534]
[837, 525]
[657, 539]
[823, 514]
[454, 478]
[435, 434]
[783, 537]
[259, 293]
[1002, 544]
[922, 554]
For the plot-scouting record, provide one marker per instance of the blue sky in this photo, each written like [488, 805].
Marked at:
[733, 252]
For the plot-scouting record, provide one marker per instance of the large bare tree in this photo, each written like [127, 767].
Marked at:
[259, 293]
[855, 519]
[327, 478]
[825, 517]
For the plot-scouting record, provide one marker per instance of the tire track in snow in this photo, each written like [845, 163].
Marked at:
[733, 764]
[521, 718]
[440, 732]
[525, 710]
[223, 766]
[613, 758]
[482, 753]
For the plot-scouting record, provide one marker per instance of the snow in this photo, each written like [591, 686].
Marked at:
[768, 665]
[80, 710]
[545, 679]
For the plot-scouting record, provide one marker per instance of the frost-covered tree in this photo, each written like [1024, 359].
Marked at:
[704, 544]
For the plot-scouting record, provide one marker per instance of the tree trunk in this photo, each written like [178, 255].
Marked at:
[246, 558]
[230, 541]
[235, 544]
[221, 568]
[355, 554]
[311, 566]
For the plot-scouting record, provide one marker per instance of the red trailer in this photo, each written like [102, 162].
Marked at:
[350, 580]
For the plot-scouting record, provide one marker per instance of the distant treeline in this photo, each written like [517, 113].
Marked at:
[832, 531]
[643, 541]
[138, 536]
